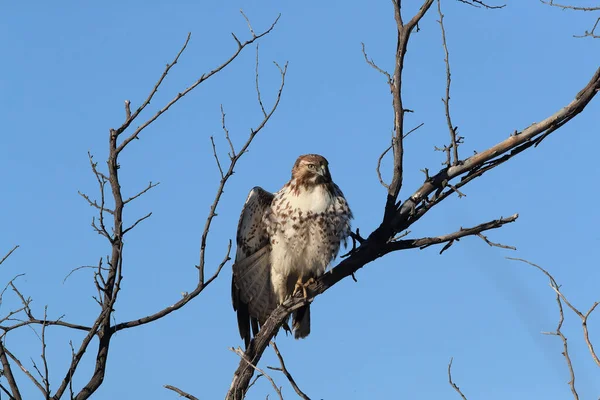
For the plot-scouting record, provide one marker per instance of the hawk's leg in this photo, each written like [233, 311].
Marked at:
[302, 286]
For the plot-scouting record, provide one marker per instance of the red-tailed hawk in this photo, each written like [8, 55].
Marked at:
[284, 241]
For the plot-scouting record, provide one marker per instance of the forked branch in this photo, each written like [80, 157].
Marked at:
[560, 298]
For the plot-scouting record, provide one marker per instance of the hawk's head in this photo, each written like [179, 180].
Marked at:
[311, 169]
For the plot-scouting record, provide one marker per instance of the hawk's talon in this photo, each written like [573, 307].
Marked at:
[303, 286]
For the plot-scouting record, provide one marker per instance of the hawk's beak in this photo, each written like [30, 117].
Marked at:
[324, 172]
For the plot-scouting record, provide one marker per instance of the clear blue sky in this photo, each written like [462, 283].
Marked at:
[68, 67]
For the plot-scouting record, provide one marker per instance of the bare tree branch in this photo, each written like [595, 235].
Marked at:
[202, 78]
[404, 31]
[416, 206]
[569, 7]
[375, 66]
[233, 161]
[558, 331]
[454, 386]
[492, 244]
[262, 107]
[591, 33]
[202, 283]
[45, 378]
[137, 222]
[150, 186]
[560, 296]
[8, 254]
[10, 396]
[25, 371]
[287, 374]
[479, 3]
[166, 311]
[181, 392]
[449, 238]
[7, 370]
[454, 141]
[242, 355]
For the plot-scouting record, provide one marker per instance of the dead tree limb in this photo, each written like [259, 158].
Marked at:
[399, 216]
[7, 370]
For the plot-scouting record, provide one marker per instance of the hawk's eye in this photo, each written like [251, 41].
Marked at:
[311, 166]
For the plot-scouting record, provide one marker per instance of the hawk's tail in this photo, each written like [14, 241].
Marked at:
[301, 322]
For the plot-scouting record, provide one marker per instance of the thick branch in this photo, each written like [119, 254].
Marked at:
[7, 371]
[408, 212]
[404, 32]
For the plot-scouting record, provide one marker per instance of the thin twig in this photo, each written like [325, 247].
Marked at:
[45, 378]
[481, 3]
[262, 107]
[79, 268]
[453, 140]
[378, 169]
[569, 7]
[240, 353]
[492, 244]
[150, 186]
[287, 373]
[584, 317]
[137, 222]
[451, 382]
[180, 392]
[230, 171]
[226, 131]
[412, 130]
[8, 254]
[375, 66]
[591, 33]
[559, 298]
[214, 147]
[181, 94]
[26, 372]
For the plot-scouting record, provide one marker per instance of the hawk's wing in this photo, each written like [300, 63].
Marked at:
[251, 290]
